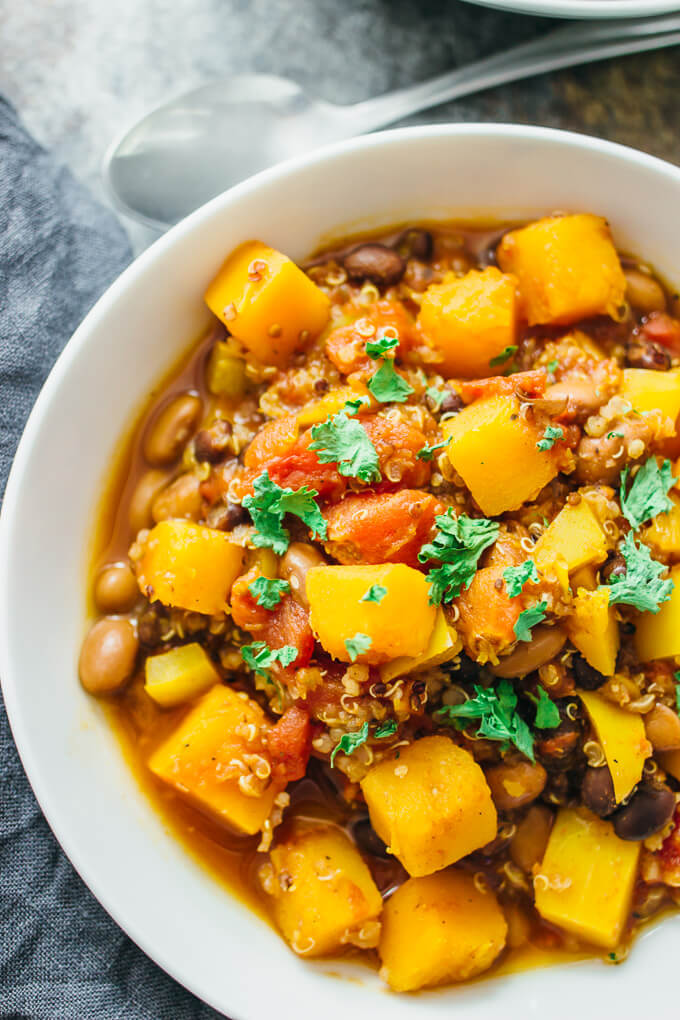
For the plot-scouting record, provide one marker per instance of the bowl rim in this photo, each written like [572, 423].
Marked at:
[609, 9]
[19, 721]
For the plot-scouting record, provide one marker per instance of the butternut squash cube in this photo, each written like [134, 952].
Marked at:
[319, 410]
[648, 390]
[225, 373]
[493, 447]
[594, 630]
[584, 577]
[470, 320]
[662, 534]
[203, 760]
[567, 267]
[443, 646]
[575, 535]
[267, 302]
[622, 737]
[585, 883]
[179, 675]
[658, 634]
[321, 889]
[338, 612]
[189, 566]
[431, 806]
[439, 929]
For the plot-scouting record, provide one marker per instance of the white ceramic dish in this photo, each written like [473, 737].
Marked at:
[166, 902]
[584, 8]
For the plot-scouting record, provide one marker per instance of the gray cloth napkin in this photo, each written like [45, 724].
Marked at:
[61, 955]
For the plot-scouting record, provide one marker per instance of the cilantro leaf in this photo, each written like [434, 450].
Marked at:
[615, 435]
[553, 366]
[376, 593]
[648, 494]
[642, 585]
[260, 657]
[267, 591]
[386, 729]
[428, 452]
[547, 712]
[343, 440]
[357, 645]
[677, 691]
[527, 619]
[505, 355]
[458, 544]
[379, 348]
[270, 503]
[354, 406]
[387, 386]
[550, 437]
[516, 577]
[436, 395]
[498, 719]
[349, 742]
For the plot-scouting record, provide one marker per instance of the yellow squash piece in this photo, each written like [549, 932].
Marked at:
[401, 624]
[267, 302]
[321, 889]
[648, 390]
[584, 577]
[179, 675]
[662, 533]
[594, 630]
[189, 566]
[471, 320]
[567, 267]
[444, 645]
[225, 373]
[493, 447]
[319, 410]
[439, 929]
[658, 634]
[204, 759]
[431, 805]
[622, 737]
[575, 535]
[585, 882]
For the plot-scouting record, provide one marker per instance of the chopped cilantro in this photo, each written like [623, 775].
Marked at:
[550, 437]
[648, 494]
[343, 440]
[387, 386]
[547, 712]
[349, 742]
[458, 544]
[615, 435]
[267, 591]
[505, 355]
[642, 585]
[379, 348]
[260, 657]
[269, 504]
[553, 366]
[516, 577]
[386, 729]
[527, 619]
[357, 645]
[677, 691]
[427, 452]
[498, 719]
[436, 395]
[376, 593]
[354, 406]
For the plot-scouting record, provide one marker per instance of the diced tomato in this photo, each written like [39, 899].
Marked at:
[245, 611]
[288, 624]
[274, 439]
[346, 346]
[397, 444]
[531, 383]
[670, 849]
[385, 528]
[289, 744]
[662, 329]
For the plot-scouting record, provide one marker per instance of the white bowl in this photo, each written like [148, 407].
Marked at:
[160, 895]
[584, 8]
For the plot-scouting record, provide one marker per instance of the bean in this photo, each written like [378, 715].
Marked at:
[597, 791]
[514, 785]
[115, 589]
[149, 629]
[519, 926]
[614, 566]
[546, 642]
[451, 404]
[649, 810]
[531, 837]
[107, 657]
[180, 499]
[644, 292]
[648, 354]
[294, 566]
[579, 397]
[560, 747]
[587, 677]
[139, 511]
[662, 726]
[375, 262]
[415, 243]
[212, 445]
[225, 517]
[418, 275]
[171, 429]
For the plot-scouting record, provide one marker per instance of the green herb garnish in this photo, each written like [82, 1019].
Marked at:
[527, 619]
[498, 719]
[386, 729]
[354, 406]
[387, 386]
[648, 494]
[267, 591]
[547, 712]
[379, 348]
[376, 593]
[458, 544]
[260, 657]
[677, 691]
[516, 577]
[357, 645]
[349, 742]
[642, 585]
[615, 435]
[553, 366]
[505, 355]
[342, 440]
[269, 504]
[436, 395]
[428, 452]
[550, 437]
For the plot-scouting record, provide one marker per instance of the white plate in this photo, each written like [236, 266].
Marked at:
[160, 895]
[584, 8]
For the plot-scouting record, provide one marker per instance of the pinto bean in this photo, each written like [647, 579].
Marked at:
[375, 262]
[601, 459]
[171, 429]
[546, 642]
[295, 563]
[597, 791]
[649, 810]
[662, 726]
[115, 589]
[648, 354]
[139, 512]
[181, 499]
[415, 243]
[107, 657]
[579, 397]
[225, 517]
[644, 292]
[212, 445]
[531, 837]
[514, 785]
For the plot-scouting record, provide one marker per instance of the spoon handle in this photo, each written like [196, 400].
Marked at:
[577, 43]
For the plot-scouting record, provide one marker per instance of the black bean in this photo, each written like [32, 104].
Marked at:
[647, 354]
[466, 670]
[451, 403]
[587, 678]
[225, 517]
[212, 445]
[375, 262]
[368, 840]
[648, 811]
[597, 791]
[321, 386]
[415, 243]
[149, 629]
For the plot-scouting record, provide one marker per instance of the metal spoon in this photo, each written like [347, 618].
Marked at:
[197, 145]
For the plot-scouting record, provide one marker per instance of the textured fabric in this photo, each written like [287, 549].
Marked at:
[61, 955]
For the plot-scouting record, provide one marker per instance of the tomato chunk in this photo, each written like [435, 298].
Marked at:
[532, 383]
[289, 743]
[389, 528]
[346, 346]
[274, 439]
[288, 624]
[245, 611]
[397, 444]
[663, 329]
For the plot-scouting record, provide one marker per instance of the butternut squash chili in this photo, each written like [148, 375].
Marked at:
[414, 537]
